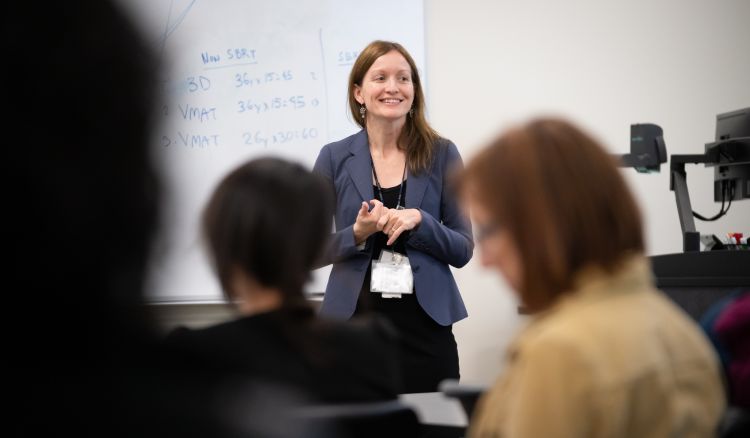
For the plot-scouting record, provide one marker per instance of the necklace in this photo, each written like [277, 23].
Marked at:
[380, 189]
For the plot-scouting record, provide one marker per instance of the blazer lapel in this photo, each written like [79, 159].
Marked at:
[359, 165]
[415, 188]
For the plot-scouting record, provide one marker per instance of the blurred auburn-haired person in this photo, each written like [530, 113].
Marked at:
[604, 353]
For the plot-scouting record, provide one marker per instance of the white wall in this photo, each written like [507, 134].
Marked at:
[605, 65]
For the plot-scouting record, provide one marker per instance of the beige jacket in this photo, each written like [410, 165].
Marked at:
[615, 358]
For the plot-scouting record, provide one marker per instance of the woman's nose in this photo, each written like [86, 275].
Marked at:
[391, 86]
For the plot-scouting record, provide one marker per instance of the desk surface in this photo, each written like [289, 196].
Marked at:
[435, 408]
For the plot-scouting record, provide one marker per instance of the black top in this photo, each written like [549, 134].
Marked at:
[427, 350]
[328, 361]
[390, 197]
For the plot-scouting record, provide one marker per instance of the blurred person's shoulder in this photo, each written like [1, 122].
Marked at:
[357, 330]
[359, 359]
[237, 342]
[245, 326]
[609, 318]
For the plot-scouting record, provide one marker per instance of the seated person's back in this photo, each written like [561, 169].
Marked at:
[265, 226]
[329, 361]
[615, 358]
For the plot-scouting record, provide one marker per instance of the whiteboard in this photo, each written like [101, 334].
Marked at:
[244, 79]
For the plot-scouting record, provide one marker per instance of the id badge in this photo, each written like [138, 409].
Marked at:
[391, 275]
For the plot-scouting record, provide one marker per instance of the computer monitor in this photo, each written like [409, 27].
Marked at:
[734, 124]
[730, 156]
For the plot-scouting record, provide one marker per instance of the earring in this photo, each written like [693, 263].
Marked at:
[362, 111]
[411, 112]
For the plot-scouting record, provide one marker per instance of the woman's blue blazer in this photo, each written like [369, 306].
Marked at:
[442, 239]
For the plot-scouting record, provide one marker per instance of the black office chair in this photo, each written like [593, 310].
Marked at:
[467, 395]
[376, 419]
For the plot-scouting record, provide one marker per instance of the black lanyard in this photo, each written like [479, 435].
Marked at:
[380, 189]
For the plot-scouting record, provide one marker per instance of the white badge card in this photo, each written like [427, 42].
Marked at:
[391, 274]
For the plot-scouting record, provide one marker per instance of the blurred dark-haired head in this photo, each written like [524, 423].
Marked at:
[270, 219]
[84, 191]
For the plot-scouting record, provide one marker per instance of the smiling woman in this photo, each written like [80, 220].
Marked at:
[386, 89]
[385, 71]
[394, 243]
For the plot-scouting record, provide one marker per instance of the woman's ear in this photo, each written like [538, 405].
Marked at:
[358, 94]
